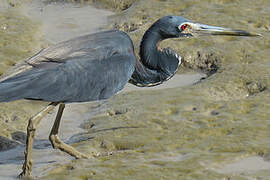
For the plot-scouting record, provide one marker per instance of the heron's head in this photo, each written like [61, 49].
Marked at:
[177, 26]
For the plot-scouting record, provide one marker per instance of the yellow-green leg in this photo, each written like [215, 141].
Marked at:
[31, 128]
[56, 141]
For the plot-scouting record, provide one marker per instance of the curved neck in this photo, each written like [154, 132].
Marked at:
[155, 65]
[149, 48]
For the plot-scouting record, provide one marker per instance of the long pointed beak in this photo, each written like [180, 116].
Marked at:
[214, 30]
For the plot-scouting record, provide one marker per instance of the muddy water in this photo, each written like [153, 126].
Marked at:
[216, 129]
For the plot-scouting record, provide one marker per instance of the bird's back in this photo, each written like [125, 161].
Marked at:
[93, 46]
[90, 67]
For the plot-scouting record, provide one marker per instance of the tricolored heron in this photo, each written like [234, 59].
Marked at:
[95, 67]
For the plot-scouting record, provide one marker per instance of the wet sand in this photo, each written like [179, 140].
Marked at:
[215, 129]
[245, 165]
[59, 22]
[44, 155]
[190, 132]
[63, 21]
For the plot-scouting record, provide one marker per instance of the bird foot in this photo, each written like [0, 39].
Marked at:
[58, 144]
[25, 175]
[27, 167]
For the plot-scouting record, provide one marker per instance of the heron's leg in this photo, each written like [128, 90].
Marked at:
[31, 128]
[56, 141]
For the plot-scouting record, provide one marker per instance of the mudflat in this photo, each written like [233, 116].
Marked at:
[217, 128]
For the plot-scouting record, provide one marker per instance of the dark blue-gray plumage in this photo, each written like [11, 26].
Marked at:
[95, 67]
[91, 67]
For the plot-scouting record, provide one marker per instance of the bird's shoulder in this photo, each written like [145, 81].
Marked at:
[93, 46]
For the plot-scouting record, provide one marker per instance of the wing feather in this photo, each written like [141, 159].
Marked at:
[72, 81]
[96, 46]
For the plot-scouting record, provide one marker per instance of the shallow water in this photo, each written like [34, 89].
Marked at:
[63, 21]
[201, 131]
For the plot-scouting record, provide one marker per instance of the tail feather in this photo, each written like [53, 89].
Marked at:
[10, 91]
